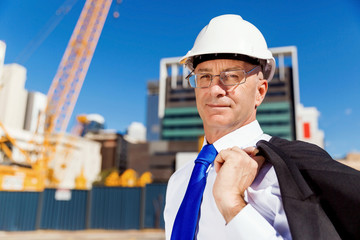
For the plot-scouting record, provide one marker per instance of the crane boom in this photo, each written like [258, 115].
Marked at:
[74, 65]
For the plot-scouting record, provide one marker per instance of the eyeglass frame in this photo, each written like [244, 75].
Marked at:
[221, 79]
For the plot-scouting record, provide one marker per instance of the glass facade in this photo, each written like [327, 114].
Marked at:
[152, 118]
[181, 123]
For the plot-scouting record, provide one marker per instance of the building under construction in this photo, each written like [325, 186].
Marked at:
[35, 150]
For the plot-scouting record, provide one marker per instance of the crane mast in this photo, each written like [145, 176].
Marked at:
[67, 83]
[68, 80]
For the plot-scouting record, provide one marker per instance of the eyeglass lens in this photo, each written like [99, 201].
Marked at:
[228, 78]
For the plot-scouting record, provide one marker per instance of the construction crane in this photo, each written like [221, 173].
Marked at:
[66, 86]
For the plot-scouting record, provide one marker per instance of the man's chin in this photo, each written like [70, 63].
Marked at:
[219, 121]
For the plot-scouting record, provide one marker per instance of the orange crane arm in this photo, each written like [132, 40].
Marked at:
[67, 83]
[74, 65]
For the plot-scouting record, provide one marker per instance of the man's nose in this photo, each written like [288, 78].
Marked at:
[217, 87]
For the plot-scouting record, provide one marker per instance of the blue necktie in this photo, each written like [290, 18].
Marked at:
[187, 217]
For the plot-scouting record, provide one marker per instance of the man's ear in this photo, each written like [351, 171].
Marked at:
[261, 90]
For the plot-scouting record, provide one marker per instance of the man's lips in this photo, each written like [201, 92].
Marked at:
[218, 105]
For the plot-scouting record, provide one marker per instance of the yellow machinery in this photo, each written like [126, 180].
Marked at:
[80, 181]
[8, 139]
[17, 176]
[146, 178]
[62, 96]
[129, 178]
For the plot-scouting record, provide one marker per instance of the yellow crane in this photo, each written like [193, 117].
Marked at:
[63, 93]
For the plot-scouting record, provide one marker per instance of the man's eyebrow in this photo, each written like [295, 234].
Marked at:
[223, 70]
[233, 68]
[204, 70]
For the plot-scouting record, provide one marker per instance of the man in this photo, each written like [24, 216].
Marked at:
[229, 120]
[230, 68]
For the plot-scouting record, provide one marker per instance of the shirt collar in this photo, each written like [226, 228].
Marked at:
[242, 137]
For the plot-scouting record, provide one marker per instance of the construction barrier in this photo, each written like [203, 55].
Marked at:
[65, 212]
[154, 205]
[115, 208]
[101, 208]
[18, 210]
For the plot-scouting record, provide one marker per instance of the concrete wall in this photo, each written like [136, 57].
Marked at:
[13, 96]
[2, 58]
[35, 108]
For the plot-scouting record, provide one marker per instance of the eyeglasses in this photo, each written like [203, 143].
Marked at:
[227, 78]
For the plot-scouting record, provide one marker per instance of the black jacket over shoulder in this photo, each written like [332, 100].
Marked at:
[321, 196]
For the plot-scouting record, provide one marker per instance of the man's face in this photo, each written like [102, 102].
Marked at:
[225, 108]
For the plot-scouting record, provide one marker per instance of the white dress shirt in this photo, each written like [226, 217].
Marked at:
[262, 218]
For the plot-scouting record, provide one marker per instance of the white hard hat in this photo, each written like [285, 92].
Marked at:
[230, 34]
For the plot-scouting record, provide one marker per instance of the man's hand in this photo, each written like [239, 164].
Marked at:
[236, 169]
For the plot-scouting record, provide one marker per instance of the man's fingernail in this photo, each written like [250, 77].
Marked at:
[256, 151]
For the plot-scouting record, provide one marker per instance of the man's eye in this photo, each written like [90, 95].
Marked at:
[234, 76]
[205, 77]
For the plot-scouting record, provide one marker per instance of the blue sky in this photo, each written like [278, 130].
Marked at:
[326, 34]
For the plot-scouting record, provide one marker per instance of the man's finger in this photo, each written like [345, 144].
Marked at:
[252, 151]
[218, 163]
[220, 159]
